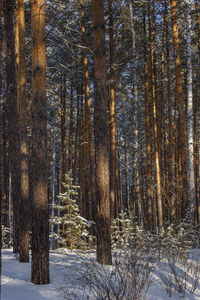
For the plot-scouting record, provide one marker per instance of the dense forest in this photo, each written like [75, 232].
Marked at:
[99, 118]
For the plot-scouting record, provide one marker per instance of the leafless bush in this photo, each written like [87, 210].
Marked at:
[128, 278]
[182, 275]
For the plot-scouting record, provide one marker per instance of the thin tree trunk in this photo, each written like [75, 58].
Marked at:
[155, 121]
[136, 105]
[171, 171]
[12, 114]
[197, 7]
[25, 205]
[112, 121]
[81, 160]
[63, 133]
[40, 225]
[77, 133]
[101, 136]
[5, 200]
[126, 178]
[150, 204]
[190, 119]
[1, 35]
[88, 113]
[71, 133]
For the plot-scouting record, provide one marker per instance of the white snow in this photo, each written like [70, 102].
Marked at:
[65, 279]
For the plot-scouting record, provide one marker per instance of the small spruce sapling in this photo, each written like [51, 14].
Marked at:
[75, 229]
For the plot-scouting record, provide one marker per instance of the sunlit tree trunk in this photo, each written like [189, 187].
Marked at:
[181, 121]
[12, 114]
[88, 112]
[112, 117]
[101, 136]
[24, 206]
[155, 121]
[38, 182]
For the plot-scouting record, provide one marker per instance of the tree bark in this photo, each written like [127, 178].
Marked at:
[181, 121]
[40, 225]
[101, 136]
[12, 114]
[25, 204]
[171, 171]
[150, 205]
[190, 119]
[63, 133]
[155, 120]
[112, 121]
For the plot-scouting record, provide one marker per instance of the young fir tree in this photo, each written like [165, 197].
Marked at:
[75, 229]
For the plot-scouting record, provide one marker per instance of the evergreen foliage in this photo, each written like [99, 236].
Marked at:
[171, 241]
[75, 229]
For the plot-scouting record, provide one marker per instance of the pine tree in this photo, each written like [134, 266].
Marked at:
[38, 166]
[101, 136]
[75, 229]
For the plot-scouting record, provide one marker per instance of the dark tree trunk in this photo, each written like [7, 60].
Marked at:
[12, 114]
[101, 137]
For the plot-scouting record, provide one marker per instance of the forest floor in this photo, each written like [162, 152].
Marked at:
[67, 282]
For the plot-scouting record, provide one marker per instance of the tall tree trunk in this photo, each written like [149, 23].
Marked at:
[190, 119]
[77, 132]
[112, 121]
[63, 133]
[71, 133]
[171, 171]
[155, 120]
[12, 114]
[181, 120]
[24, 207]
[81, 159]
[40, 225]
[88, 112]
[101, 136]
[150, 204]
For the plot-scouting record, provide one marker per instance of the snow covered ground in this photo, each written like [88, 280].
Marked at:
[65, 280]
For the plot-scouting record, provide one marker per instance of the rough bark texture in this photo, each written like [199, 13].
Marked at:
[38, 183]
[25, 204]
[101, 137]
[155, 119]
[150, 205]
[181, 120]
[171, 172]
[12, 115]
[88, 112]
[112, 117]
